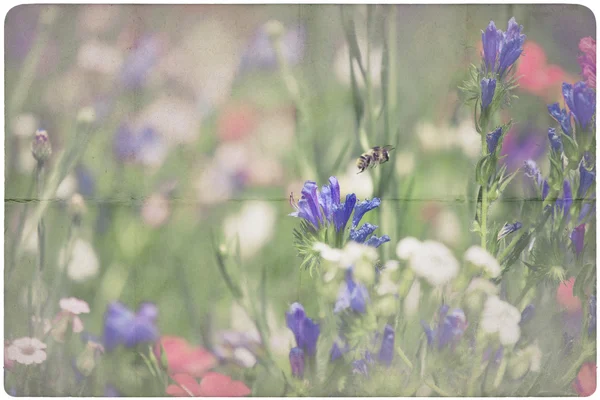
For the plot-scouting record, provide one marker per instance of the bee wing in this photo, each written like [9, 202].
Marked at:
[389, 147]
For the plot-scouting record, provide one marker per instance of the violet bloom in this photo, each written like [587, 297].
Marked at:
[511, 46]
[140, 61]
[324, 207]
[143, 146]
[491, 39]
[564, 203]
[352, 295]
[386, 352]
[488, 87]
[555, 141]
[527, 314]
[587, 61]
[492, 139]
[360, 235]
[260, 54]
[507, 229]
[577, 238]
[517, 146]
[85, 181]
[305, 330]
[586, 179]
[581, 101]
[122, 326]
[297, 362]
[561, 116]
[586, 209]
[450, 329]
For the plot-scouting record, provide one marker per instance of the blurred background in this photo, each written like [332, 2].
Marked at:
[195, 140]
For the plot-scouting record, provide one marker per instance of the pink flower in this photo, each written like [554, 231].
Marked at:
[585, 382]
[8, 363]
[536, 76]
[587, 61]
[212, 385]
[69, 316]
[27, 351]
[564, 296]
[183, 358]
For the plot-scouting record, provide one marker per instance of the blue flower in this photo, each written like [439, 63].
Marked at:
[450, 329]
[386, 352]
[592, 314]
[488, 87]
[545, 189]
[586, 179]
[511, 46]
[586, 209]
[360, 367]
[360, 235]
[352, 295]
[581, 101]
[142, 146]
[375, 241]
[492, 139]
[342, 212]
[319, 208]
[85, 181]
[297, 362]
[507, 229]
[527, 314]
[308, 206]
[577, 237]
[555, 141]
[362, 208]
[305, 330]
[338, 349]
[562, 117]
[122, 326]
[491, 39]
[564, 203]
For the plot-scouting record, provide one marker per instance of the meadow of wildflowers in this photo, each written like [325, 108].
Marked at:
[184, 216]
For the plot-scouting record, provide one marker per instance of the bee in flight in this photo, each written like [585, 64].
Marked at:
[377, 155]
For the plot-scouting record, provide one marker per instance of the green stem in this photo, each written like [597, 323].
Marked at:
[500, 373]
[437, 389]
[404, 357]
[41, 246]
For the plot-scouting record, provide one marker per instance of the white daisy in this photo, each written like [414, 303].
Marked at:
[407, 247]
[434, 262]
[27, 351]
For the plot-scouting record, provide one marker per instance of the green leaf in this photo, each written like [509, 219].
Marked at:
[268, 384]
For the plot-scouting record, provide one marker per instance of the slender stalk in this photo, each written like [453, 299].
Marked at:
[404, 357]
[39, 177]
[437, 389]
[484, 199]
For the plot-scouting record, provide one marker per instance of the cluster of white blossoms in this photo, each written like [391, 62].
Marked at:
[502, 318]
[430, 260]
[356, 255]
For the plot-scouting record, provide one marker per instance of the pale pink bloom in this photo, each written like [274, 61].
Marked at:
[74, 306]
[156, 210]
[27, 351]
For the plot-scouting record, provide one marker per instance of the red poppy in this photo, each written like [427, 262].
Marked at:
[183, 358]
[536, 76]
[212, 385]
[565, 297]
[585, 383]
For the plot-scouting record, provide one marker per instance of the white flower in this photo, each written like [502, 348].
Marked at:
[99, 57]
[67, 187]
[501, 317]
[481, 258]
[83, 263]
[430, 260]
[411, 303]
[253, 226]
[244, 357]
[327, 253]
[74, 306]
[386, 285]
[27, 351]
[467, 138]
[482, 285]
[407, 247]
[156, 210]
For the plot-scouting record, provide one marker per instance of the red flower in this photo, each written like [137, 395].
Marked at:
[236, 121]
[212, 385]
[585, 383]
[182, 358]
[536, 76]
[564, 296]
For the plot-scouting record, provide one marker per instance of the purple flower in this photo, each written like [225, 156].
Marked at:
[140, 61]
[362, 208]
[143, 146]
[386, 352]
[317, 207]
[586, 179]
[297, 362]
[564, 203]
[581, 101]
[352, 295]
[586, 209]
[342, 212]
[492, 139]
[561, 116]
[338, 349]
[360, 367]
[122, 326]
[528, 144]
[511, 46]
[527, 314]
[375, 241]
[360, 235]
[491, 39]
[111, 391]
[450, 329]
[507, 229]
[260, 54]
[85, 181]
[488, 87]
[577, 238]
[555, 141]
[305, 330]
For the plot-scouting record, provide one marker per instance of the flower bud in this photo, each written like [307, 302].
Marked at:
[386, 353]
[40, 146]
[86, 361]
